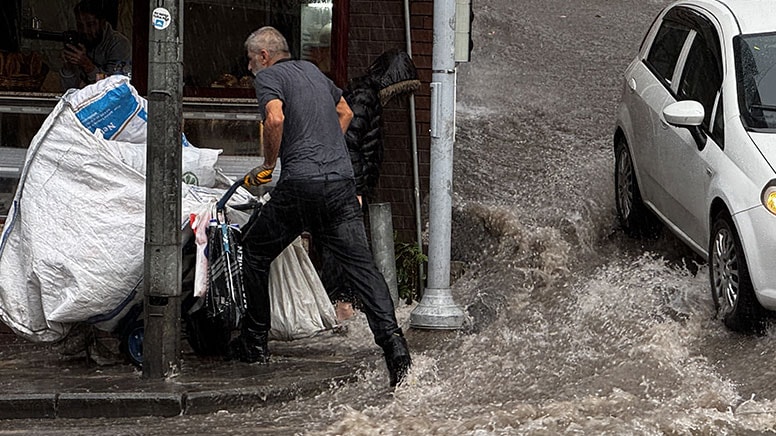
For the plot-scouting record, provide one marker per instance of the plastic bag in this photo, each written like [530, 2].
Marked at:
[300, 306]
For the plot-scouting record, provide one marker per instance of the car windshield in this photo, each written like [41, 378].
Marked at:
[756, 76]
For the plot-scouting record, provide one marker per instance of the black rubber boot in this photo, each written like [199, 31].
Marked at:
[250, 347]
[397, 358]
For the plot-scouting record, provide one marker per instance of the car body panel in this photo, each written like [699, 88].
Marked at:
[680, 179]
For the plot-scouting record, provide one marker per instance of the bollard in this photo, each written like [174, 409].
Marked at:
[381, 226]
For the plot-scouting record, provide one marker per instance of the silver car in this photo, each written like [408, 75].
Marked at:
[695, 146]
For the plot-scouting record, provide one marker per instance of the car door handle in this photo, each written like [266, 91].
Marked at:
[709, 171]
[632, 84]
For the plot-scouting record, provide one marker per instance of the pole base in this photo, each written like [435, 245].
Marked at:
[438, 311]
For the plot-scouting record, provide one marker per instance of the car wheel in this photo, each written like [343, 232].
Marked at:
[731, 286]
[634, 216]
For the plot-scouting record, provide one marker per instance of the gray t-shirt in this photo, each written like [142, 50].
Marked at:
[313, 146]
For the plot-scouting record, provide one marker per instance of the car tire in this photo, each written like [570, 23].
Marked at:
[731, 286]
[635, 218]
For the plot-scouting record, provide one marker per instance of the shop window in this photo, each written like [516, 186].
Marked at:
[219, 100]
[215, 64]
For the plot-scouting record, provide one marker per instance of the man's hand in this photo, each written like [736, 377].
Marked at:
[76, 55]
[258, 176]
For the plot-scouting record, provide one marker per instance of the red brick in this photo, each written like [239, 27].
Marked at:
[421, 8]
[359, 34]
[360, 7]
[422, 35]
[388, 8]
[365, 20]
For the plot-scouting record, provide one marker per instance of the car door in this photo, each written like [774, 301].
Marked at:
[648, 90]
[686, 170]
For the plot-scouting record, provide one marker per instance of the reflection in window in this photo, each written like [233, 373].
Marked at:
[665, 49]
[315, 41]
[756, 75]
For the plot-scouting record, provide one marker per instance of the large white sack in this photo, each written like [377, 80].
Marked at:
[66, 255]
[113, 107]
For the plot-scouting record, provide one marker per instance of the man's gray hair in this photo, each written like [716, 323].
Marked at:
[267, 38]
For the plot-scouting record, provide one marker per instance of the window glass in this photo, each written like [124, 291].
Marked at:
[701, 77]
[665, 49]
[316, 34]
[755, 57]
[214, 55]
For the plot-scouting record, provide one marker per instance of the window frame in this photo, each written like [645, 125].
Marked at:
[648, 59]
[699, 26]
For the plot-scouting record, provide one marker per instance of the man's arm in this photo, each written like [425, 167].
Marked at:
[344, 114]
[118, 57]
[273, 131]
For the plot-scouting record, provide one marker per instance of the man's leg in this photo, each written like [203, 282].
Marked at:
[344, 236]
[267, 234]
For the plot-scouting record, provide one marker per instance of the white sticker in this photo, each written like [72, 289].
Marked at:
[161, 18]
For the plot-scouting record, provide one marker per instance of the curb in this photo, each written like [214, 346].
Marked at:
[164, 404]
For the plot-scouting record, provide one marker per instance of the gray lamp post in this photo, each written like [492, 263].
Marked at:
[437, 310]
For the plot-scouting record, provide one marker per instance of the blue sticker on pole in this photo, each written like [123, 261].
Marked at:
[161, 18]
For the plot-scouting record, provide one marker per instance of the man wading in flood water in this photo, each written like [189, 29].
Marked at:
[304, 119]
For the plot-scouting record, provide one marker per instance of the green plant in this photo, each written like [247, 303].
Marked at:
[409, 257]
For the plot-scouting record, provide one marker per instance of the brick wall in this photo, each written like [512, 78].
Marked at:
[377, 26]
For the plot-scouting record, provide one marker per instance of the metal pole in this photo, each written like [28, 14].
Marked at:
[437, 310]
[414, 138]
[383, 251]
[162, 267]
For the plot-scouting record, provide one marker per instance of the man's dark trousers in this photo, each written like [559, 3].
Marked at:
[329, 210]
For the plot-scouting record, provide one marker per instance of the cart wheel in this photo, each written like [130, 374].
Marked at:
[132, 343]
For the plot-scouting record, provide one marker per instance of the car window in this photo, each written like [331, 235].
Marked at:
[665, 49]
[702, 76]
[755, 57]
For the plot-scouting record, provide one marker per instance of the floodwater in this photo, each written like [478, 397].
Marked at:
[573, 328]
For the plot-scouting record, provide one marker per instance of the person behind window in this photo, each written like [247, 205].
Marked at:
[95, 50]
[305, 117]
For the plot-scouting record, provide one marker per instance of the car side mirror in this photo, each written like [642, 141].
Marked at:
[688, 114]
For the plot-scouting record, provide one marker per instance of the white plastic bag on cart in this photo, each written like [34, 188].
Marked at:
[198, 165]
[299, 304]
